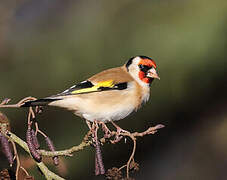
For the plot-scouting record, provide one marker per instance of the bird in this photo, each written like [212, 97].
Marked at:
[109, 95]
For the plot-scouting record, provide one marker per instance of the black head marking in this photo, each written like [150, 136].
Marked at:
[131, 59]
[145, 57]
[144, 68]
[129, 62]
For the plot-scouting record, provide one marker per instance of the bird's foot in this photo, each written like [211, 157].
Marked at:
[119, 133]
[89, 124]
[119, 129]
[106, 130]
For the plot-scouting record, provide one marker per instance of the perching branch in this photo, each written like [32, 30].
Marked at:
[90, 139]
[86, 142]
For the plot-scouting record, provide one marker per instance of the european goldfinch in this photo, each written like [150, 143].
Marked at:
[109, 95]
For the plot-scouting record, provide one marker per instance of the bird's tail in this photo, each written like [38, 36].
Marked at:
[39, 102]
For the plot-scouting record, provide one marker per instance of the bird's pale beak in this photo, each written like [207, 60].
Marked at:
[153, 74]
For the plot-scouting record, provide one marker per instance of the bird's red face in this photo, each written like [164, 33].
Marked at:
[147, 68]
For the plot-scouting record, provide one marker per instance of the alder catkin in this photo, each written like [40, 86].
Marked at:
[98, 157]
[97, 168]
[6, 149]
[52, 148]
[35, 139]
[35, 154]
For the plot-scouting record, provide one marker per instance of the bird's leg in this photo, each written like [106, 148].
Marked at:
[91, 130]
[105, 129]
[94, 129]
[89, 124]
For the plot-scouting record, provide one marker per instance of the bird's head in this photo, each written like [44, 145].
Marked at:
[142, 68]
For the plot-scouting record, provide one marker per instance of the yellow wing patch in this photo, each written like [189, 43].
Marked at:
[108, 83]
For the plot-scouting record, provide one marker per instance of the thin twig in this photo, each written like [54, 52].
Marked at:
[4, 104]
[132, 155]
[26, 172]
[5, 101]
[39, 131]
[32, 112]
[122, 167]
[17, 159]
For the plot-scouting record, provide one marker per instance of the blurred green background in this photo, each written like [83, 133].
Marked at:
[46, 46]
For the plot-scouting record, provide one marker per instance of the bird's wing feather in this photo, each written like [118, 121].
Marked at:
[111, 79]
[101, 86]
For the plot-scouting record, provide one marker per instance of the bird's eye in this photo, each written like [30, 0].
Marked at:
[144, 68]
[140, 66]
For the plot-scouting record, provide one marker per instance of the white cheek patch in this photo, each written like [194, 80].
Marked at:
[137, 60]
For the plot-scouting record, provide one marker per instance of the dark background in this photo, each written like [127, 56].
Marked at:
[46, 46]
